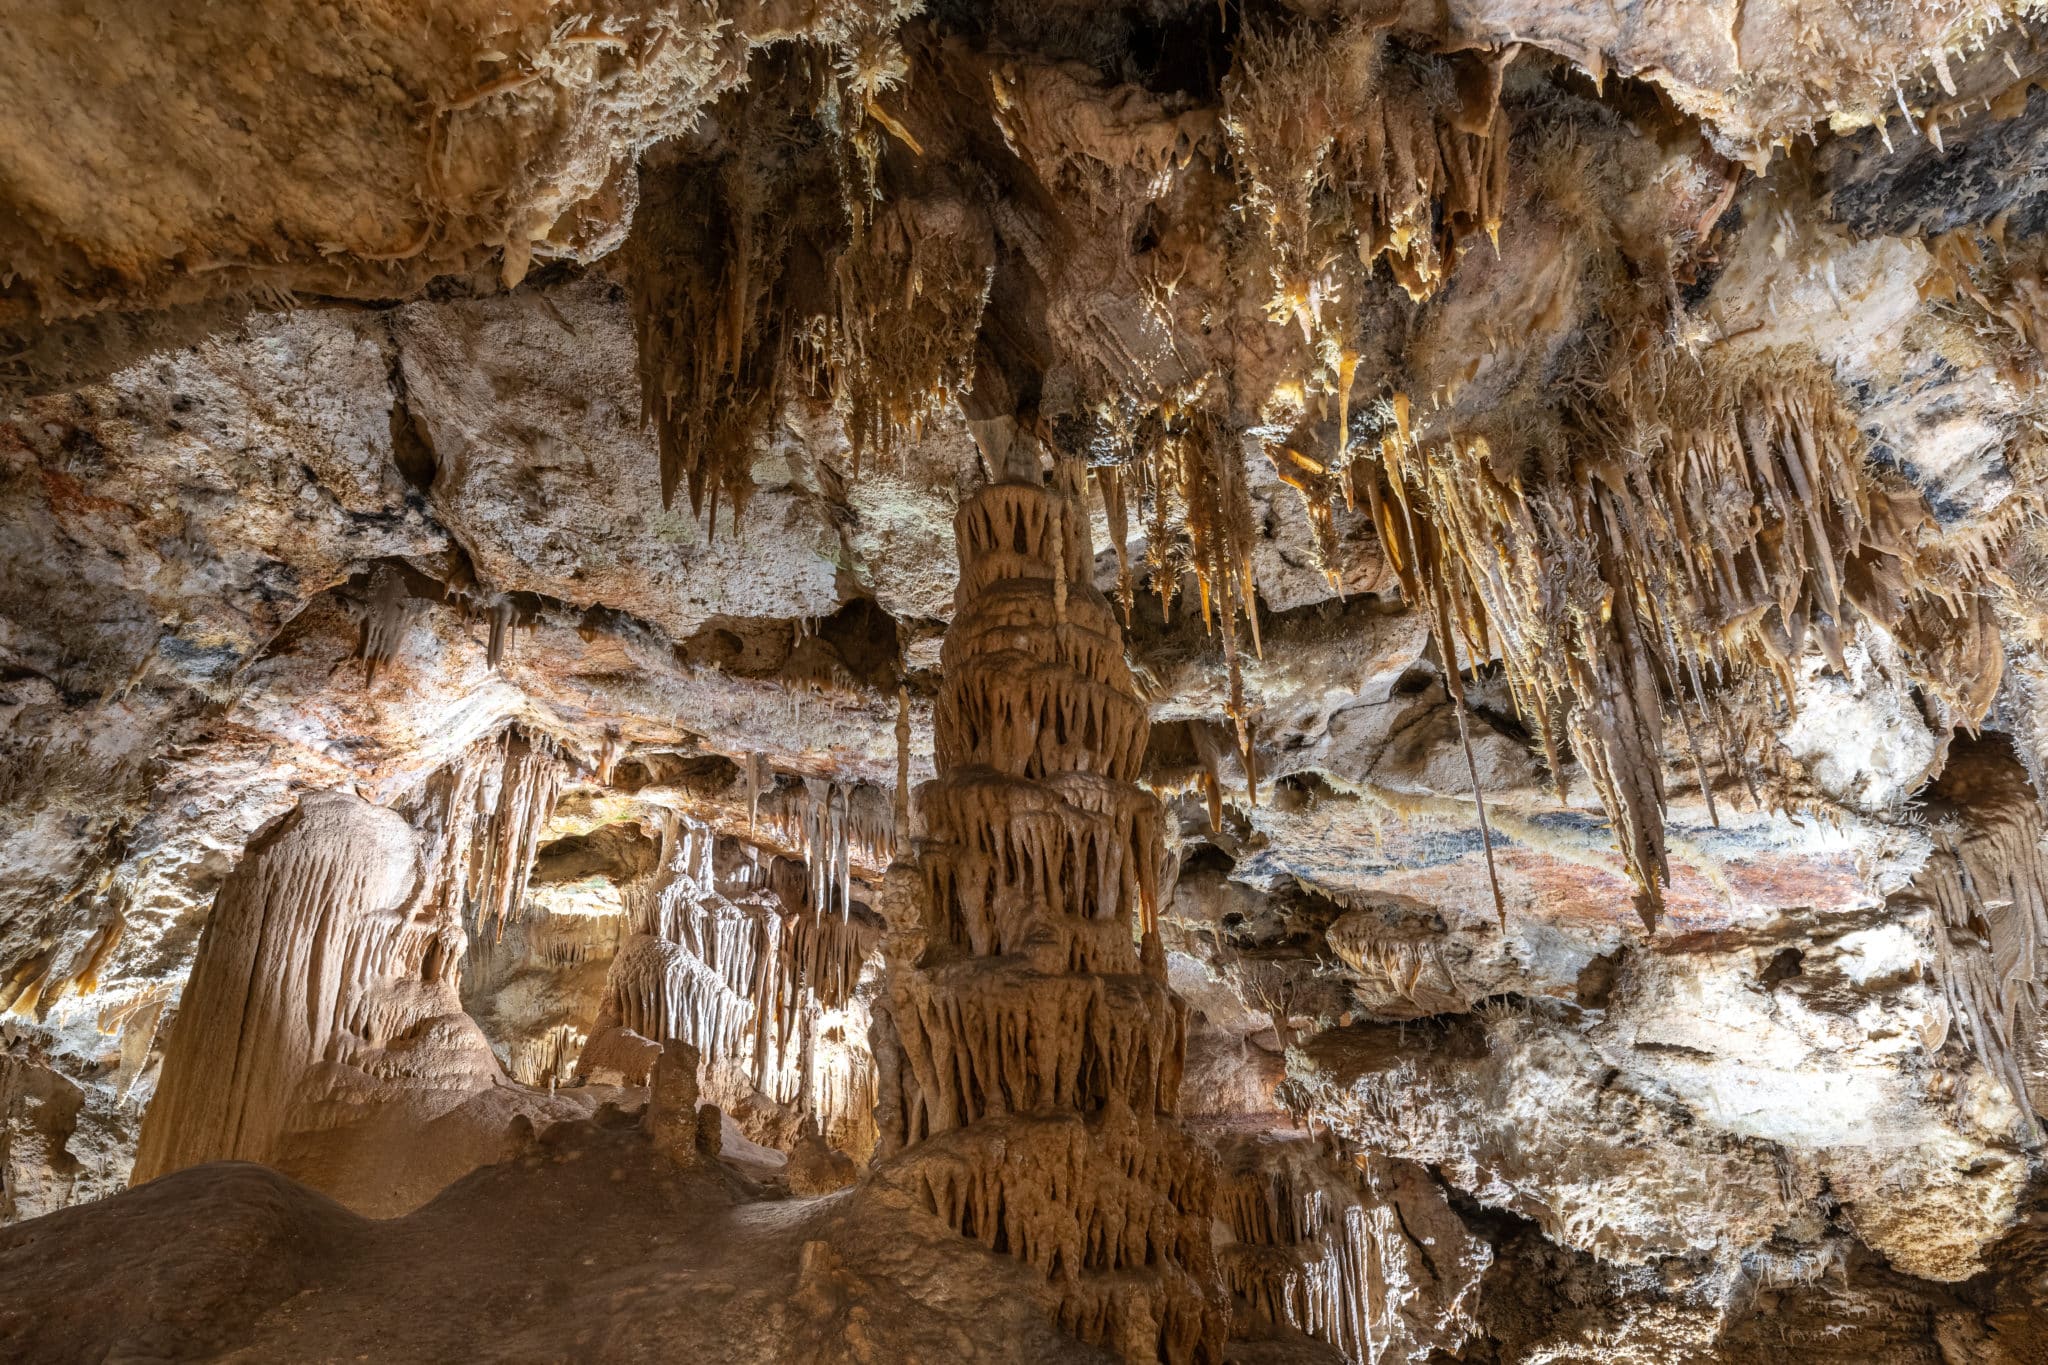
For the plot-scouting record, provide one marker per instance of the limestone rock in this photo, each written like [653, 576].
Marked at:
[815, 1168]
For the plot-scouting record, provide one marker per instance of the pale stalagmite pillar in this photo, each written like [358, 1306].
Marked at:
[294, 926]
[322, 1031]
[1031, 1053]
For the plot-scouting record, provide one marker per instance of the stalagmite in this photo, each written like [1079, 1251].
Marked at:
[322, 956]
[1034, 1055]
[672, 1102]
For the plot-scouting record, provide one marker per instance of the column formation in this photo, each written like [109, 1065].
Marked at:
[1029, 1089]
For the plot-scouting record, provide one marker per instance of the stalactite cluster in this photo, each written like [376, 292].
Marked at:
[836, 827]
[1343, 150]
[387, 616]
[769, 987]
[2006, 282]
[721, 269]
[45, 977]
[1686, 541]
[752, 282]
[1317, 1246]
[532, 988]
[898, 346]
[1032, 1055]
[1988, 885]
[483, 816]
[398, 598]
[1341, 158]
[547, 1059]
[1481, 397]
[1343, 154]
[1196, 481]
[1300, 1258]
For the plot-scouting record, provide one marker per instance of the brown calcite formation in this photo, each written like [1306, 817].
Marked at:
[1987, 885]
[1569, 486]
[1363, 1253]
[353, 150]
[1030, 1085]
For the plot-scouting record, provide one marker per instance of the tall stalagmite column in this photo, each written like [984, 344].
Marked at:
[1030, 1087]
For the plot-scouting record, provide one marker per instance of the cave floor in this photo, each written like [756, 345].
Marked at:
[591, 1246]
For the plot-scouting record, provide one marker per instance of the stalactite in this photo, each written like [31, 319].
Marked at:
[900, 812]
[751, 276]
[526, 970]
[719, 261]
[836, 827]
[515, 809]
[549, 1059]
[2007, 282]
[759, 778]
[1347, 153]
[1706, 527]
[1034, 1054]
[1988, 882]
[503, 614]
[843, 1080]
[1109, 480]
[45, 977]
[1319, 1243]
[387, 617]
[1319, 489]
[898, 345]
[766, 986]
[1197, 479]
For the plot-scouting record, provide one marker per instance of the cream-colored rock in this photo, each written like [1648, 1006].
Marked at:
[545, 474]
[1711, 1099]
[1755, 74]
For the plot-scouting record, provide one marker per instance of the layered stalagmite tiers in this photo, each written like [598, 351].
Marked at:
[1032, 1055]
